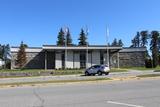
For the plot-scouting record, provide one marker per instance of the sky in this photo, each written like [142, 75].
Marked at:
[37, 22]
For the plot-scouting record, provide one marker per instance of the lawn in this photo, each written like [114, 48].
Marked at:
[141, 68]
[42, 72]
[118, 70]
[149, 75]
[38, 72]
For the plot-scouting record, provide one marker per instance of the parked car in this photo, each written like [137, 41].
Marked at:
[97, 69]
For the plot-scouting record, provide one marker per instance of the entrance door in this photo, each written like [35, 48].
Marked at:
[50, 60]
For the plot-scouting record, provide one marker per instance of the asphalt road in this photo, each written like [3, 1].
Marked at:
[134, 93]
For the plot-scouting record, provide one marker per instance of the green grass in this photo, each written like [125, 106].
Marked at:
[149, 75]
[22, 70]
[118, 70]
[141, 68]
[67, 72]
[53, 81]
[39, 72]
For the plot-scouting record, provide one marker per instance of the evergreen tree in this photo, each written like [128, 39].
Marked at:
[154, 47]
[1, 54]
[159, 44]
[115, 43]
[69, 39]
[136, 40]
[21, 56]
[82, 39]
[133, 43]
[144, 37]
[61, 39]
[120, 43]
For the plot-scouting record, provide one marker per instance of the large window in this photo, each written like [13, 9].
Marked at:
[101, 57]
[63, 60]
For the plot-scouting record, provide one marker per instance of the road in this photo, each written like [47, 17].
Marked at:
[133, 93]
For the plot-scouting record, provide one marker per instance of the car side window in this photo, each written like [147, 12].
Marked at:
[97, 66]
[92, 67]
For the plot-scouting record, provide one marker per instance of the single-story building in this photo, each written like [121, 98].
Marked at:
[75, 57]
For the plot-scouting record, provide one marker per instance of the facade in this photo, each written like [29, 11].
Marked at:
[75, 57]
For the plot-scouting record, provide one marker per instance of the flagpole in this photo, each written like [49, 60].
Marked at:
[107, 35]
[65, 33]
[87, 48]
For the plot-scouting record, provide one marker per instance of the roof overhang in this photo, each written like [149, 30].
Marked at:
[50, 47]
[140, 49]
[16, 49]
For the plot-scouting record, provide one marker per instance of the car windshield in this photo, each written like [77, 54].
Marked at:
[96, 66]
[105, 65]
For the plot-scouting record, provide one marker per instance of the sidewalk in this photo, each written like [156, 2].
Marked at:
[116, 75]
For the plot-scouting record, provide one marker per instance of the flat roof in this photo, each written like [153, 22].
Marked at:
[29, 49]
[90, 47]
[131, 49]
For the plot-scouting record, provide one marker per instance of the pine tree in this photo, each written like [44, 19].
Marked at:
[69, 39]
[144, 37]
[115, 43]
[82, 39]
[136, 40]
[1, 53]
[61, 39]
[120, 43]
[133, 43]
[154, 47]
[21, 56]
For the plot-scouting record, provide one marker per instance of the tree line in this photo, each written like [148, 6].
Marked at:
[151, 40]
[65, 39]
[62, 39]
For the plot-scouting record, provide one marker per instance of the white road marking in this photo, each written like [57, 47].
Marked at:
[125, 104]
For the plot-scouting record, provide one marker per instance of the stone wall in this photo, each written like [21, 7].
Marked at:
[34, 60]
[128, 57]
[132, 59]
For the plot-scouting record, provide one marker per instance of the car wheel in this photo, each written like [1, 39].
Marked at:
[107, 73]
[93, 74]
[86, 73]
[99, 73]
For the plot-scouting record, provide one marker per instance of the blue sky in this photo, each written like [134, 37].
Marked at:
[37, 22]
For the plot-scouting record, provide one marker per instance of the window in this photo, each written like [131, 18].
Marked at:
[101, 58]
[63, 60]
[82, 60]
